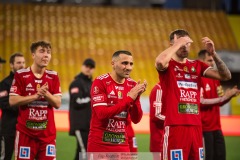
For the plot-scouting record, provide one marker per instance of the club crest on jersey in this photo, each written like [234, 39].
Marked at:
[95, 90]
[193, 69]
[38, 86]
[176, 154]
[50, 150]
[24, 152]
[120, 96]
[185, 69]
[201, 154]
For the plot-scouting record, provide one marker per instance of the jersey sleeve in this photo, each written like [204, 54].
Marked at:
[99, 102]
[155, 100]
[209, 102]
[17, 85]
[57, 87]
[204, 68]
[136, 111]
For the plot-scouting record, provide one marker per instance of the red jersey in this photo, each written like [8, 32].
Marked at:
[110, 110]
[180, 83]
[211, 88]
[35, 119]
[156, 119]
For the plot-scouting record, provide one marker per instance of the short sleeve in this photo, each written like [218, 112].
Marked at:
[98, 94]
[57, 87]
[17, 85]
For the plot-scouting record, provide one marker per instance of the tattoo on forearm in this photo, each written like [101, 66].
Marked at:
[221, 66]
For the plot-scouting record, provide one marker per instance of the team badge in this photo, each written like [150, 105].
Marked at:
[24, 152]
[185, 69]
[120, 96]
[38, 86]
[193, 69]
[50, 150]
[176, 154]
[201, 154]
[95, 90]
[220, 91]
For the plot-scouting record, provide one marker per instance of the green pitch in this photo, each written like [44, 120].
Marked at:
[66, 146]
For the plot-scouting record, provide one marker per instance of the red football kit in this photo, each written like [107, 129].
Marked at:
[132, 141]
[156, 122]
[211, 113]
[180, 83]
[110, 110]
[36, 132]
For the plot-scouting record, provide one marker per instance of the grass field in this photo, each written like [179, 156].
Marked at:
[66, 146]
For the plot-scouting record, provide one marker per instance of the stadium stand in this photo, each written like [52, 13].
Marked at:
[78, 32]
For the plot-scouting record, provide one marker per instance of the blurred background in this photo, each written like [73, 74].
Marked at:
[79, 29]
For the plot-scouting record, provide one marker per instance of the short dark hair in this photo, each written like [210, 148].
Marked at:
[117, 53]
[12, 57]
[179, 33]
[202, 54]
[35, 45]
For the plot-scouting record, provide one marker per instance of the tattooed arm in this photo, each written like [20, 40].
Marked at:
[222, 73]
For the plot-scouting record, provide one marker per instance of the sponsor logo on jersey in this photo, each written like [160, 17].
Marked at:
[185, 69]
[188, 108]
[38, 81]
[36, 125]
[50, 150]
[13, 89]
[201, 154]
[187, 85]
[176, 68]
[188, 96]
[179, 75]
[123, 114]
[40, 104]
[98, 98]
[26, 76]
[176, 154]
[112, 137]
[207, 88]
[95, 90]
[24, 152]
[3, 93]
[194, 76]
[187, 76]
[121, 88]
[116, 125]
[112, 93]
[29, 85]
[111, 96]
[37, 114]
[74, 90]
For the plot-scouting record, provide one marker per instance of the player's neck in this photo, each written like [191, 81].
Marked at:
[37, 71]
[179, 59]
[116, 78]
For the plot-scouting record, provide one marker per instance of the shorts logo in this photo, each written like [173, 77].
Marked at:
[201, 153]
[176, 154]
[24, 152]
[50, 150]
